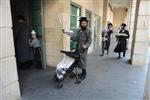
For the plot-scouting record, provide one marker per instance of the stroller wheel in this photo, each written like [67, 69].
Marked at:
[78, 81]
[55, 79]
[59, 85]
[72, 75]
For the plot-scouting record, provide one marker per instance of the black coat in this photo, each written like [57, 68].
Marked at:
[22, 35]
[122, 42]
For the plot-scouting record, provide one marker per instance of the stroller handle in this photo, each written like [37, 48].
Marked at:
[71, 54]
[64, 51]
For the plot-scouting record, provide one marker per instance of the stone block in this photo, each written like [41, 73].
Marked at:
[9, 71]
[66, 42]
[53, 48]
[144, 7]
[140, 48]
[52, 61]
[11, 92]
[53, 35]
[6, 44]
[5, 18]
[142, 35]
[138, 60]
[143, 22]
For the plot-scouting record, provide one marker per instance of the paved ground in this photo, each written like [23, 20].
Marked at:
[107, 79]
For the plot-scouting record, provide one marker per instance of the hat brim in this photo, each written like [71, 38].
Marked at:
[84, 20]
[123, 25]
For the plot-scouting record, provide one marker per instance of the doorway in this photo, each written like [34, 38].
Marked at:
[32, 12]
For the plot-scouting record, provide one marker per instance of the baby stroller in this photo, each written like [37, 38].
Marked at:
[66, 67]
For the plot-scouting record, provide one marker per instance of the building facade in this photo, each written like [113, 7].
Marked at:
[49, 17]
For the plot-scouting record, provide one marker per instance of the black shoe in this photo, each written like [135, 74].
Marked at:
[79, 75]
[102, 55]
[118, 57]
[82, 76]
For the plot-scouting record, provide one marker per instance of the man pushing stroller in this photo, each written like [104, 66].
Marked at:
[83, 39]
[75, 59]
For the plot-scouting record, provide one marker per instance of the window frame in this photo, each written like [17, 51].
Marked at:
[77, 16]
[90, 19]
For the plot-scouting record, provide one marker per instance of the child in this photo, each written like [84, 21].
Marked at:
[35, 43]
[106, 38]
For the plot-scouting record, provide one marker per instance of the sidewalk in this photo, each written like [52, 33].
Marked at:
[108, 79]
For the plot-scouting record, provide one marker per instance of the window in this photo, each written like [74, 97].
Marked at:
[75, 15]
[88, 15]
[74, 21]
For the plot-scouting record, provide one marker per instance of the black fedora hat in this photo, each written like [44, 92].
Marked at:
[83, 19]
[110, 24]
[123, 24]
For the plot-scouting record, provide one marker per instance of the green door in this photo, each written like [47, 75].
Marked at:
[74, 22]
[36, 16]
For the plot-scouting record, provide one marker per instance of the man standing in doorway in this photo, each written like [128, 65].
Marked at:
[24, 53]
[106, 38]
[83, 39]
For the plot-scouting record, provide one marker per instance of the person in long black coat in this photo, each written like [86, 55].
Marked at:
[24, 53]
[122, 41]
[106, 38]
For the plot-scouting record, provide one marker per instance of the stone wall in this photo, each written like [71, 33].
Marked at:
[8, 70]
[56, 18]
[141, 30]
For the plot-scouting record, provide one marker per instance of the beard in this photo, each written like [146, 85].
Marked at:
[83, 27]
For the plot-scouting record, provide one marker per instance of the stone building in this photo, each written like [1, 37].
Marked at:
[49, 17]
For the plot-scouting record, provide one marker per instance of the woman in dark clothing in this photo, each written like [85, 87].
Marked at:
[24, 53]
[122, 41]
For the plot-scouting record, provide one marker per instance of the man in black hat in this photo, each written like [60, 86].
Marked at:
[83, 39]
[122, 41]
[106, 36]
